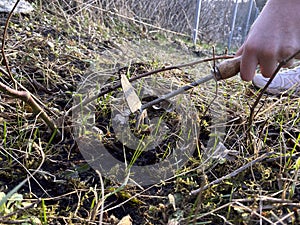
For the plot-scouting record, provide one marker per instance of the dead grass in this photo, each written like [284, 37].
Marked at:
[52, 52]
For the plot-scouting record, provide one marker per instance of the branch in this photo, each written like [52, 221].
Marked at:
[3, 42]
[114, 87]
[27, 97]
[252, 115]
[234, 173]
[23, 95]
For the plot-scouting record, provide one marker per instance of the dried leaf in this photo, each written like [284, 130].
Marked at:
[131, 97]
[172, 201]
[126, 220]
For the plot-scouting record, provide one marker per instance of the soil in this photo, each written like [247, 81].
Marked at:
[57, 58]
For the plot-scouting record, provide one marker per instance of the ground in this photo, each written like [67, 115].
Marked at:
[247, 171]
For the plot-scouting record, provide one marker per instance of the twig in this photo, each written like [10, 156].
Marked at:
[225, 220]
[234, 173]
[216, 91]
[19, 211]
[252, 113]
[14, 222]
[27, 98]
[31, 175]
[3, 43]
[198, 202]
[141, 22]
[285, 218]
[254, 212]
[99, 203]
[285, 157]
[214, 210]
[15, 189]
[23, 95]
[114, 87]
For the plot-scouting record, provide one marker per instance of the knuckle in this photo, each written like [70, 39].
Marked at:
[251, 48]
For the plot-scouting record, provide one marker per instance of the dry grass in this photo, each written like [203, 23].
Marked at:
[51, 53]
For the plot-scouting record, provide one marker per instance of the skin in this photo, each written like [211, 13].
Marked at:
[274, 36]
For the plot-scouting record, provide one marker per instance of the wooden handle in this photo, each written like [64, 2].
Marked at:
[228, 68]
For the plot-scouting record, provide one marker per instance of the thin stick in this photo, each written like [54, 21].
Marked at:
[114, 87]
[27, 98]
[234, 173]
[252, 113]
[23, 95]
[3, 43]
[30, 175]
[254, 212]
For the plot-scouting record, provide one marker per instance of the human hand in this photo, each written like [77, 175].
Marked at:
[274, 36]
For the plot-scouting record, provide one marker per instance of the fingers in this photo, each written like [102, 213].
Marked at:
[249, 62]
[268, 65]
[248, 67]
[268, 62]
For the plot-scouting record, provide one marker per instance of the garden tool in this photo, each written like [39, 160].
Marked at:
[224, 70]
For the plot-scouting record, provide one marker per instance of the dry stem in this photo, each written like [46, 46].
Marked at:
[114, 87]
[25, 96]
[234, 173]
[252, 112]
